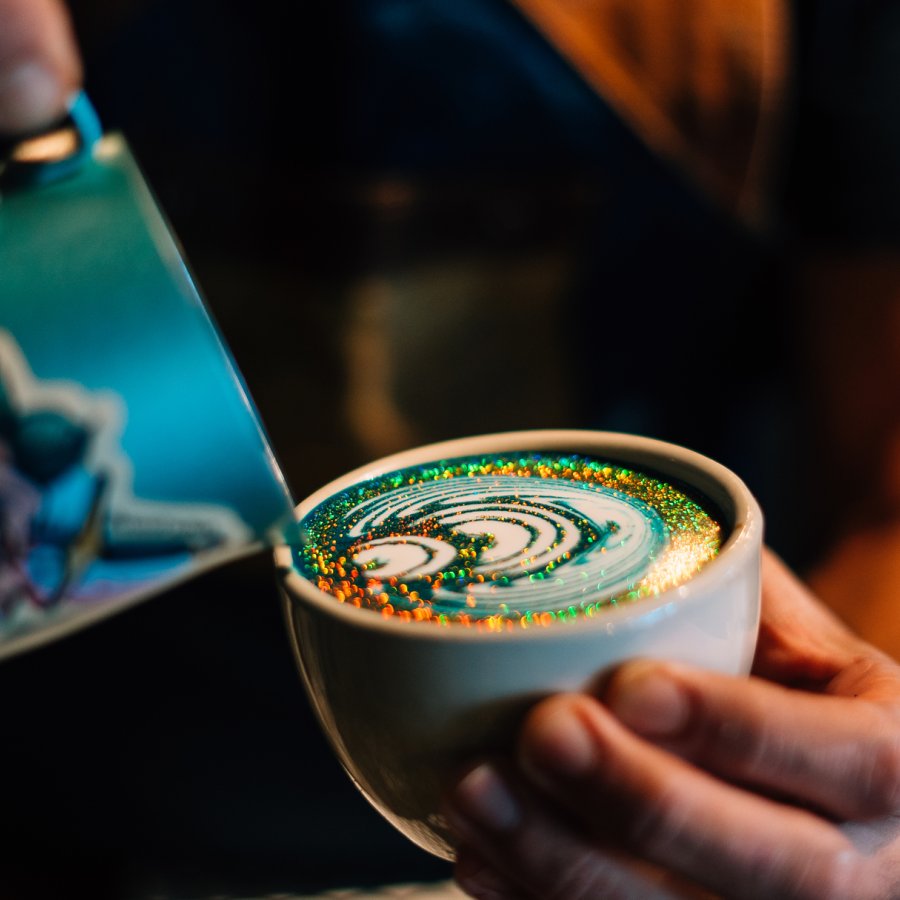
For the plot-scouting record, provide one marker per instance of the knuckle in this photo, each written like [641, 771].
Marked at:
[839, 876]
[835, 872]
[659, 824]
[880, 783]
[742, 735]
[588, 875]
[745, 739]
[579, 879]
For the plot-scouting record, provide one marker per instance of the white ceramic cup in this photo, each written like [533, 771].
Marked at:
[406, 704]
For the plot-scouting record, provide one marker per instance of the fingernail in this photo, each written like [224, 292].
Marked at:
[486, 801]
[30, 96]
[648, 701]
[559, 743]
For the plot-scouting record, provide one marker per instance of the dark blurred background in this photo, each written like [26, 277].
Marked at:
[412, 219]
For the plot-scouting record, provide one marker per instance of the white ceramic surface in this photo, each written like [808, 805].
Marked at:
[406, 704]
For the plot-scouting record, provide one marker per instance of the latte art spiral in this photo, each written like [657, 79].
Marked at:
[493, 542]
[514, 529]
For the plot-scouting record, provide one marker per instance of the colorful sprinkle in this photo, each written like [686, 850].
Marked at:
[528, 539]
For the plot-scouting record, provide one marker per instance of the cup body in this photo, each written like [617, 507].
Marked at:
[406, 704]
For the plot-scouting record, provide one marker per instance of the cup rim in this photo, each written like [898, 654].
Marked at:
[744, 539]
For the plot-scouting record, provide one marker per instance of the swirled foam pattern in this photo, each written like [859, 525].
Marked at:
[506, 541]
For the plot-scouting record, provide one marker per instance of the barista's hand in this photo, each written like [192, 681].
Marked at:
[39, 64]
[677, 781]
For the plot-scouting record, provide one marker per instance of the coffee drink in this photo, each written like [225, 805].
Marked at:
[506, 541]
[433, 596]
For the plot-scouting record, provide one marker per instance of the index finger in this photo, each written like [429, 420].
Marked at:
[669, 813]
[39, 64]
[840, 754]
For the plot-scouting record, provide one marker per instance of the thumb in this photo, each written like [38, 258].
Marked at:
[801, 643]
[39, 64]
